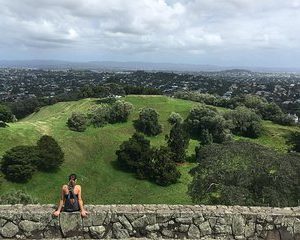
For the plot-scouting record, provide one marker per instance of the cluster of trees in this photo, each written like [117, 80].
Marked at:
[19, 163]
[267, 111]
[245, 173]
[154, 164]
[118, 111]
[157, 164]
[208, 125]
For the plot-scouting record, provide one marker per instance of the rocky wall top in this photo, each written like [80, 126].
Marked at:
[152, 221]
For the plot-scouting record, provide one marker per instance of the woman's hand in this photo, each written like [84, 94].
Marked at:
[83, 213]
[56, 213]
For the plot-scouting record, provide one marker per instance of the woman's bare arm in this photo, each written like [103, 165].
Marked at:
[80, 201]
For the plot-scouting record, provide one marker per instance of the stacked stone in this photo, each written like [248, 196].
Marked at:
[152, 221]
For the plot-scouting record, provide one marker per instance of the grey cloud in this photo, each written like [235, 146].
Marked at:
[191, 27]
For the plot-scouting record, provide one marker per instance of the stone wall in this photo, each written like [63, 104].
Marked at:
[151, 221]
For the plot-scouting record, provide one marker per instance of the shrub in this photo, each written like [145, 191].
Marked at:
[120, 111]
[6, 114]
[134, 155]
[3, 124]
[99, 116]
[18, 163]
[205, 122]
[284, 119]
[178, 141]
[17, 197]
[245, 122]
[294, 140]
[77, 122]
[148, 122]
[162, 168]
[175, 118]
[51, 155]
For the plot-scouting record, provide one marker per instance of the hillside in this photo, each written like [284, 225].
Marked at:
[92, 154]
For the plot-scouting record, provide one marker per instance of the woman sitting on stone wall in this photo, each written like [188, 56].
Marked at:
[71, 200]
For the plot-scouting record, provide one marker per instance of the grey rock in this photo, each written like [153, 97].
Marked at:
[125, 222]
[151, 218]
[297, 226]
[54, 222]
[37, 217]
[163, 216]
[152, 235]
[183, 228]
[132, 216]
[171, 222]
[2, 222]
[199, 220]
[194, 232]
[152, 228]
[97, 219]
[97, 231]
[29, 226]
[9, 230]
[205, 228]
[212, 221]
[269, 227]
[53, 232]
[167, 233]
[119, 232]
[259, 228]
[140, 222]
[249, 230]
[238, 225]
[71, 224]
[239, 237]
[219, 229]
[186, 220]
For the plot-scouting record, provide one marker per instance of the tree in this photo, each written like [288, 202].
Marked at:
[51, 155]
[284, 119]
[77, 122]
[163, 170]
[120, 111]
[245, 122]
[204, 121]
[270, 111]
[178, 141]
[175, 118]
[134, 155]
[148, 122]
[294, 141]
[18, 163]
[6, 114]
[100, 115]
[245, 173]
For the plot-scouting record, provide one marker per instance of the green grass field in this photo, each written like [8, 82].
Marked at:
[91, 154]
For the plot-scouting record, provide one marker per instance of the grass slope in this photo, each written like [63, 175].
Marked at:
[92, 154]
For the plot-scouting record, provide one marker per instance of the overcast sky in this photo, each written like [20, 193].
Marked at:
[220, 32]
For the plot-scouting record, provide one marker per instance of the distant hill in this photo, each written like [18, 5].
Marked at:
[131, 66]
